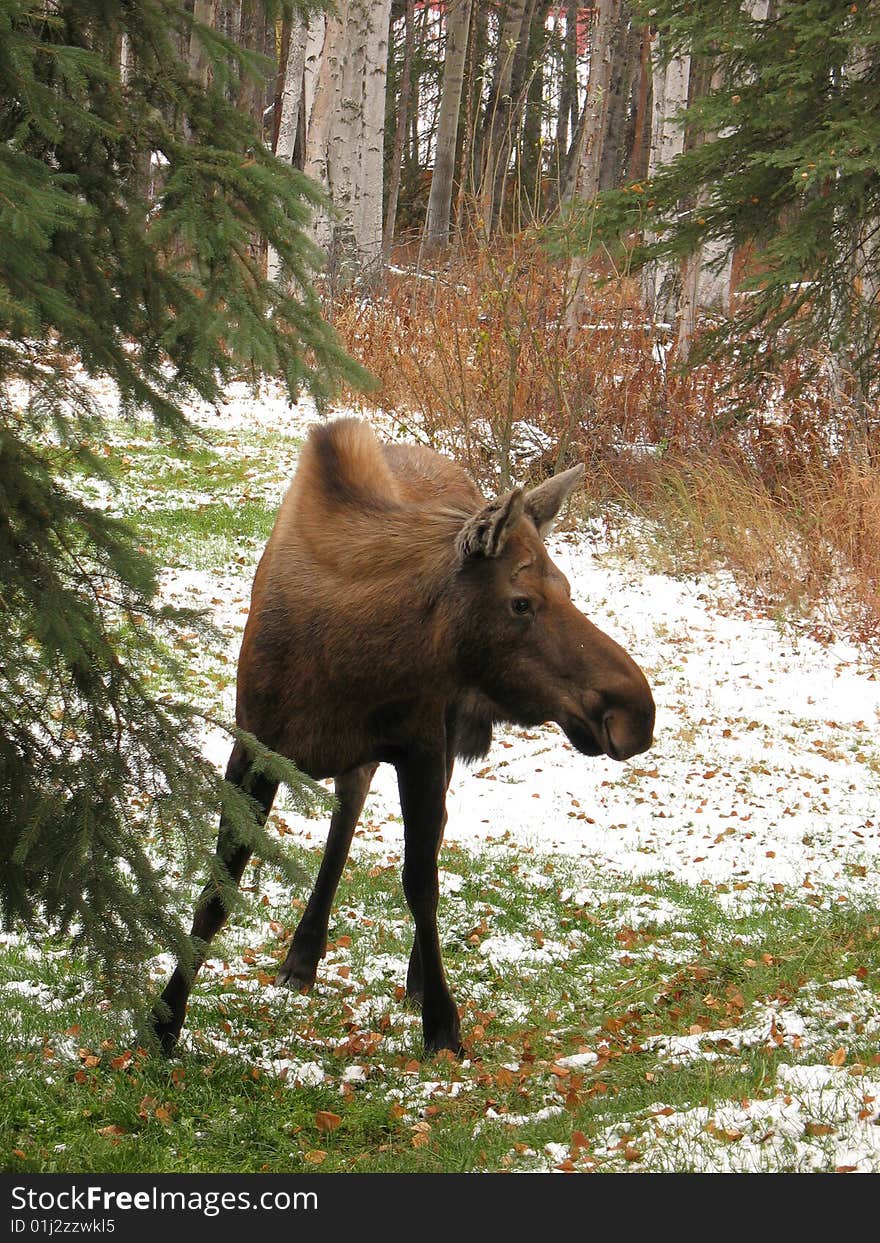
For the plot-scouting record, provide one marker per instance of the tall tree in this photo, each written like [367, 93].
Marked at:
[402, 121]
[530, 155]
[345, 133]
[368, 213]
[671, 76]
[288, 105]
[789, 166]
[625, 56]
[165, 299]
[606, 36]
[567, 113]
[458, 18]
[499, 109]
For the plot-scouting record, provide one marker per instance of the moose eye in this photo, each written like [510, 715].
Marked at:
[521, 605]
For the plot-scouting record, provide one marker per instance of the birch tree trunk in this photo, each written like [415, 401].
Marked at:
[458, 21]
[367, 216]
[327, 87]
[204, 12]
[400, 131]
[609, 16]
[344, 150]
[344, 144]
[291, 100]
[660, 281]
[497, 143]
[312, 66]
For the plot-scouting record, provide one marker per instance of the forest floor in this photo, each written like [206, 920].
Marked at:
[670, 964]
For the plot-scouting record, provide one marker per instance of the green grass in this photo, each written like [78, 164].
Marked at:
[600, 964]
[79, 1095]
[201, 537]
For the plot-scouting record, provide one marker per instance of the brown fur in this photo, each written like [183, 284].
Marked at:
[387, 623]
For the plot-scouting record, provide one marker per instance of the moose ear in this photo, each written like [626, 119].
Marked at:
[486, 533]
[543, 503]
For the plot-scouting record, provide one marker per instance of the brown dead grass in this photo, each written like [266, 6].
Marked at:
[770, 482]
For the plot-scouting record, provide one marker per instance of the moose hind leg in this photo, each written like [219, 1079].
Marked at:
[310, 939]
[170, 1011]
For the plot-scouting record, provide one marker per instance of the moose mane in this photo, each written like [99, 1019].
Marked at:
[355, 519]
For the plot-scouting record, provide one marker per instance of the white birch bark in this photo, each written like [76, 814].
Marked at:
[671, 83]
[344, 149]
[312, 66]
[325, 107]
[368, 205]
[497, 148]
[345, 137]
[458, 20]
[291, 99]
[609, 14]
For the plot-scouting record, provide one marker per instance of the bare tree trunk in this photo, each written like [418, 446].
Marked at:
[344, 149]
[368, 196]
[670, 88]
[287, 25]
[311, 68]
[530, 163]
[499, 108]
[440, 199]
[327, 86]
[519, 79]
[345, 138]
[289, 110]
[567, 93]
[609, 16]
[638, 162]
[204, 12]
[471, 149]
[624, 61]
[400, 131]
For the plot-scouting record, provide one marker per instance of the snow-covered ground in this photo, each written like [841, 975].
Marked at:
[763, 780]
[765, 772]
[766, 763]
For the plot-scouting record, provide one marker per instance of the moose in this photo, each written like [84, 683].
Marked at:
[396, 616]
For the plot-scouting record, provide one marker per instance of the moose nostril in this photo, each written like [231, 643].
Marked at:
[625, 735]
[608, 742]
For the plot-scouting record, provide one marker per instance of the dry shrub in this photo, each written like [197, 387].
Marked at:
[476, 361]
[480, 353]
[808, 546]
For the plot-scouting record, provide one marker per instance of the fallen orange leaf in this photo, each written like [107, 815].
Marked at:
[326, 1121]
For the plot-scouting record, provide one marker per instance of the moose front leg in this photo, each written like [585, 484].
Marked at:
[414, 973]
[169, 1012]
[421, 780]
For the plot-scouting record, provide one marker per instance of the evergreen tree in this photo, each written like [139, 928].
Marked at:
[167, 297]
[786, 163]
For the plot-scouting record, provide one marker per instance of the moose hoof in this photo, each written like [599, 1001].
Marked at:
[442, 1036]
[448, 1043]
[167, 1034]
[297, 979]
